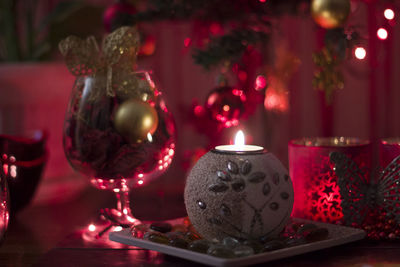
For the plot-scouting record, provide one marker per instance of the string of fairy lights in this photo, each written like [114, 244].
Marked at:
[382, 33]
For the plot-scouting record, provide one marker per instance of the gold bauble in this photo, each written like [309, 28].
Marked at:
[135, 119]
[330, 14]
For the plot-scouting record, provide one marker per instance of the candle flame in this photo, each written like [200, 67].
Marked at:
[239, 139]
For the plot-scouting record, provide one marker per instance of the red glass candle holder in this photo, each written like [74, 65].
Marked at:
[4, 205]
[389, 149]
[23, 160]
[316, 192]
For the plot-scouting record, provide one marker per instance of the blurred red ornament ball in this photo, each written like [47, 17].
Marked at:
[226, 105]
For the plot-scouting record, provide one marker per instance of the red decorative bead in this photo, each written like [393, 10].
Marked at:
[392, 236]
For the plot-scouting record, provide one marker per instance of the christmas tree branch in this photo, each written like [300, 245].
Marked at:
[229, 47]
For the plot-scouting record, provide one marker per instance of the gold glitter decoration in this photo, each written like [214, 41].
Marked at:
[81, 56]
[328, 77]
[115, 62]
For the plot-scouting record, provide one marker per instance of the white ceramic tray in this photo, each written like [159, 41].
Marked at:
[338, 235]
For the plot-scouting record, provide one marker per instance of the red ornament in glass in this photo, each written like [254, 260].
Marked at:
[316, 191]
[226, 105]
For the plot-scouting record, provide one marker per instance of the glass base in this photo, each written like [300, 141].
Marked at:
[110, 220]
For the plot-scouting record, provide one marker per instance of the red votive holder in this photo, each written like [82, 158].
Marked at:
[389, 149]
[23, 159]
[316, 192]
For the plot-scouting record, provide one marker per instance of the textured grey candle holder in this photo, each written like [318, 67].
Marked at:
[245, 195]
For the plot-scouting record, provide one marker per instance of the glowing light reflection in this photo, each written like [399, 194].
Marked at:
[92, 227]
[260, 82]
[389, 14]
[13, 171]
[118, 229]
[360, 53]
[149, 137]
[382, 33]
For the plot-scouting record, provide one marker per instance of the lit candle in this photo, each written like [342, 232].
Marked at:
[239, 146]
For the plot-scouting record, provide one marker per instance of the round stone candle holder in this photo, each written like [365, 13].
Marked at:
[245, 194]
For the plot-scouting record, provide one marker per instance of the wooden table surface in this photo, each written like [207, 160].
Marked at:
[48, 235]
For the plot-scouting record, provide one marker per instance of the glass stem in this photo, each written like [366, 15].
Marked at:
[123, 203]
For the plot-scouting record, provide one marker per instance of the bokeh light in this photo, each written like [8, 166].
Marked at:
[389, 14]
[360, 53]
[382, 33]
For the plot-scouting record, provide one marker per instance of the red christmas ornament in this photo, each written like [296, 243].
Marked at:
[148, 47]
[118, 15]
[226, 105]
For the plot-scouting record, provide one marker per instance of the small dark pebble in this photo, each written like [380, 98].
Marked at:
[172, 235]
[293, 241]
[316, 234]
[296, 226]
[200, 246]
[273, 245]
[266, 238]
[192, 236]
[230, 242]
[257, 246]
[156, 237]
[220, 251]
[161, 227]
[306, 227]
[243, 251]
[178, 242]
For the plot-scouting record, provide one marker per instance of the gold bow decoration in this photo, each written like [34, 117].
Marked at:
[115, 61]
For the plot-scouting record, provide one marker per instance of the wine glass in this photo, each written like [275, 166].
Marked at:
[120, 137]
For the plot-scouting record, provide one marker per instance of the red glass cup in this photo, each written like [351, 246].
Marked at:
[4, 205]
[389, 149]
[23, 159]
[316, 192]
